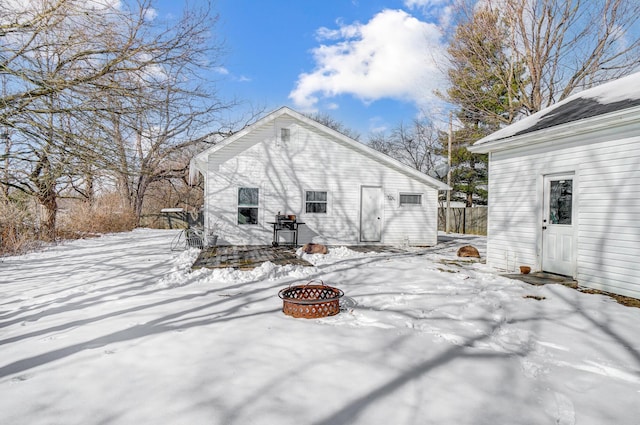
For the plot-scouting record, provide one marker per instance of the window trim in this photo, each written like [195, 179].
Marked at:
[411, 204]
[247, 206]
[326, 203]
[285, 134]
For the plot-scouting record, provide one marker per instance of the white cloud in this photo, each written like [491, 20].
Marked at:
[151, 14]
[221, 70]
[378, 124]
[394, 55]
[439, 10]
[411, 4]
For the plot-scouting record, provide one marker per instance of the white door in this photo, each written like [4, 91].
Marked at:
[558, 250]
[371, 206]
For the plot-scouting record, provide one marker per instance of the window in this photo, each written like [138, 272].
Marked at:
[248, 198]
[410, 199]
[316, 202]
[560, 202]
[285, 134]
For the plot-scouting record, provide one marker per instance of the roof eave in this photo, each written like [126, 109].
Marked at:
[587, 125]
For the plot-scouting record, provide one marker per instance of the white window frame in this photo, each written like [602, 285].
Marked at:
[256, 206]
[304, 199]
[285, 134]
[410, 205]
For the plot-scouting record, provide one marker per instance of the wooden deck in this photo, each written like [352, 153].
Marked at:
[246, 257]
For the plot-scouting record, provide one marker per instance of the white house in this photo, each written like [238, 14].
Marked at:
[564, 189]
[343, 191]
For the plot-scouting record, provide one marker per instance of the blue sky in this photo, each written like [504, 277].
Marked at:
[368, 63]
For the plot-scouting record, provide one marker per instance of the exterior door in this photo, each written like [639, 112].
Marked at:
[371, 207]
[558, 250]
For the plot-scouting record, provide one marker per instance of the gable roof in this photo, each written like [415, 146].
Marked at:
[582, 111]
[199, 162]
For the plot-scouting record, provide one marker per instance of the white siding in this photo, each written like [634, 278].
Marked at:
[513, 209]
[607, 202]
[311, 161]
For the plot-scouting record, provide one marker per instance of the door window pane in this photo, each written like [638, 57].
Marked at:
[561, 201]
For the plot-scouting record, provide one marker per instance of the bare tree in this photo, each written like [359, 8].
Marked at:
[91, 87]
[170, 107]
[334, 124]
[566, 45]
[53, 53]
[415, 145]
[512, 58]
[149, 146]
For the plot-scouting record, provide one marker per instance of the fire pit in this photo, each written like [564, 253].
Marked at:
[311, 301]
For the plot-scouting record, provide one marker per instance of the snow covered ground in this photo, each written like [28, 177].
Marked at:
[116, 330]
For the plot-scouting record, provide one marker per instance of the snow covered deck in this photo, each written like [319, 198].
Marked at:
[245, 257]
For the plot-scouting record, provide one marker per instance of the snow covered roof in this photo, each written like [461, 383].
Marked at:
[199, 162]
[608, 98]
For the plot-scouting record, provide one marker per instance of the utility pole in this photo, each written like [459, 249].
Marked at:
[447, 225]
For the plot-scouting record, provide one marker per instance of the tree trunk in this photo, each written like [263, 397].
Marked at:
[48, 222]
[44, 181]
[122, 185]
[138, 200]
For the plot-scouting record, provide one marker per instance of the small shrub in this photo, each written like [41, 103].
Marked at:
[18, 227]
[106, 215]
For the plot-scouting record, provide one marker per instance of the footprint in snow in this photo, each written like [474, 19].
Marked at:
[532, 369]
[20, 378]
[371, 322]
[566, 412]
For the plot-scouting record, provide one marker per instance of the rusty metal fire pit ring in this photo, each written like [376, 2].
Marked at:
[311, 301]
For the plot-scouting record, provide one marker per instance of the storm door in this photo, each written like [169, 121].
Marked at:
[558, 242]
[371, 206]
